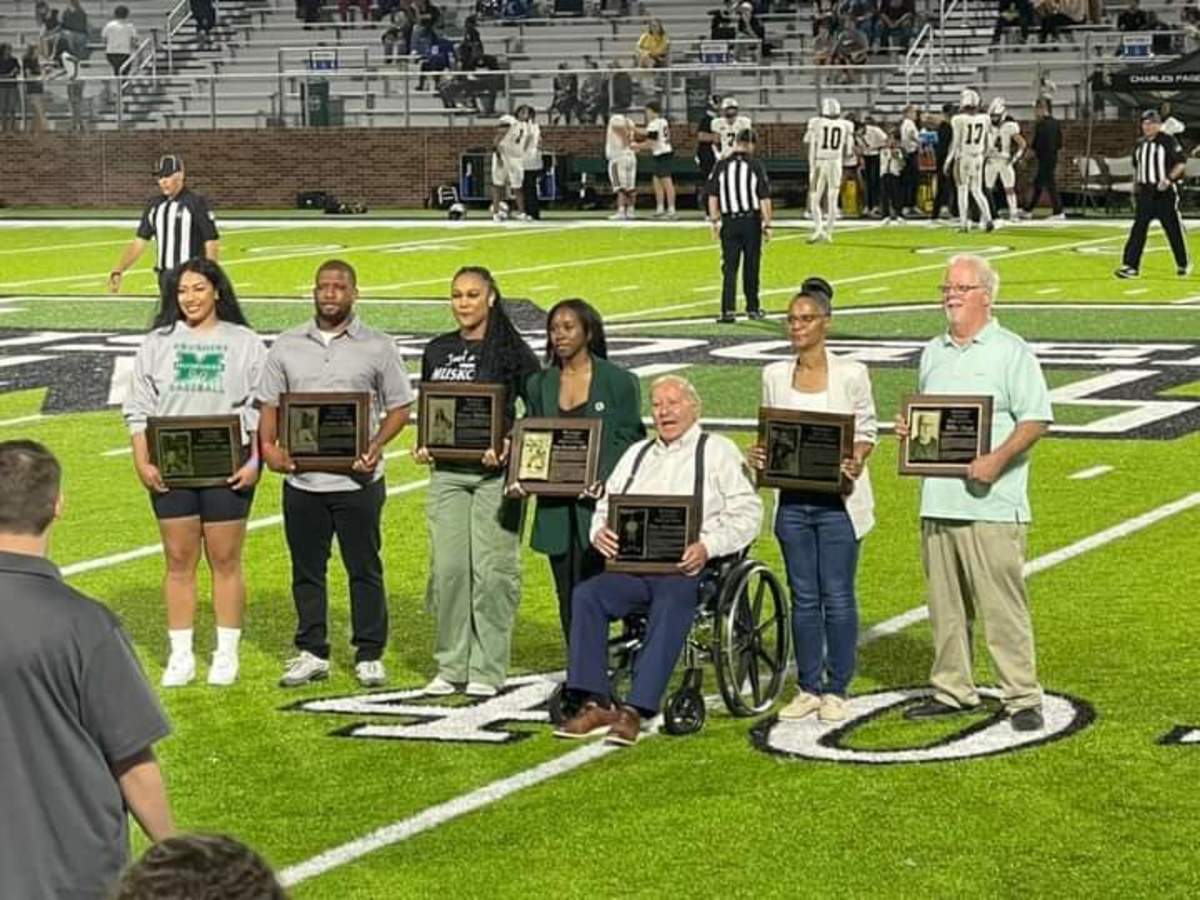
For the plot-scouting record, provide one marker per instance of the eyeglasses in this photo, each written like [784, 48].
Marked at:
[948, 289]
[804, 319]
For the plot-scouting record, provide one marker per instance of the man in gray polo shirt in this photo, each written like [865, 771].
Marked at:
[335, 351]
[77, 720]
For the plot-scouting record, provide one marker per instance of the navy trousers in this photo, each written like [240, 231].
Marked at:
[670, 601]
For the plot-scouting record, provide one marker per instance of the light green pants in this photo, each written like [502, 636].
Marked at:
[474, 575]
[977, 568]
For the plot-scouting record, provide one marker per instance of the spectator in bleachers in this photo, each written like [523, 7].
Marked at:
[515, 9]
[344, 9]
[74, 23]
[622, 87]
[41, 10]
[653, 47]
[308, 12]
[824, 12]
[1013, 14]
[823, 45]
[865, 14]
[1053, 20]
[470, 48]
[1190, 24]
[721, 27]
[204, 14]
[593, 94]
[10, 70]
[70, 71]
[438, 58]
[35, 90]
[1133, 18]
[428, 15]
[395, 43]
[849, 50]
[119, 36]
[750, 25]
[566, 97]
[47, 43]
[897, 19]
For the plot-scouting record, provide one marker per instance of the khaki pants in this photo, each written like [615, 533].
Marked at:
[475, 573]
[977, 567]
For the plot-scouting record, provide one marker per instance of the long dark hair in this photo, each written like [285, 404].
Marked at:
[228, 309]
[504, 356]
[593, 327]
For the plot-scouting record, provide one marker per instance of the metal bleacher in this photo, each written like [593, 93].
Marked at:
[266, 64]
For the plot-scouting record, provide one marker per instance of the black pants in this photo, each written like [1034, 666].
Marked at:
[911, 176]
[892, 196]
[578, 564]
[310, 521]
[871, 177]
[529, 189]
[1155, 204]
[1044, 181]
[116, 60]
[946, 197]
[741, 236]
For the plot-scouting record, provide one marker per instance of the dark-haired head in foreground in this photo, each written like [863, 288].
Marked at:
[199, 867]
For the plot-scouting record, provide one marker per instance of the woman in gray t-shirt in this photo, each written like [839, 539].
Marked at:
[200, 359]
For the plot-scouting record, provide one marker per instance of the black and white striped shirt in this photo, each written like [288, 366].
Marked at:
[180, 225]
[740, 185]
[1154, 158]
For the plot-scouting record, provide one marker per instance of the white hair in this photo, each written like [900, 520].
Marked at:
[989, 278]
[689, 389]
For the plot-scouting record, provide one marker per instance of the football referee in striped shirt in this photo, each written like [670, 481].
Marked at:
[180, 223]
[739, 207]
[1158, 166]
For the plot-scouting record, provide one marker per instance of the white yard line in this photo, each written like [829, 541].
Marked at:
[874, 290]
[22, 420]
[1049, 290]
[116, 559]
[625, 288]
[442, 813]
[1133, 292]
[1092, 472]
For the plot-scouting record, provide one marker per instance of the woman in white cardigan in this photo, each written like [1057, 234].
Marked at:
[819, 534]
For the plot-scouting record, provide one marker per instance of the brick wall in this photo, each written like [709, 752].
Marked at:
[380, 167]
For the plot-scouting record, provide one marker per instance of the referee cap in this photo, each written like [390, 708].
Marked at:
[1151, 115]
[168, 165]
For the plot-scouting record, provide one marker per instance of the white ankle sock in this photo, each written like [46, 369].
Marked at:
[227, 640]
[181, 640]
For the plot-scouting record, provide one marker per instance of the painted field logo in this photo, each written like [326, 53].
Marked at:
[829, 742]
[425, 718]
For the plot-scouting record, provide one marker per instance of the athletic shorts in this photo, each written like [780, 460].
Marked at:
[662, 164]
[211, 504]
[622, 171]
[968, 171]
[507, 172]
[1002, 169]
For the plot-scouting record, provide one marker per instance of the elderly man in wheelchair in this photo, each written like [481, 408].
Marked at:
[683, 461]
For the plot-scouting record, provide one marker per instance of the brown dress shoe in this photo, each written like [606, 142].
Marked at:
[590, 720]
[626, 729]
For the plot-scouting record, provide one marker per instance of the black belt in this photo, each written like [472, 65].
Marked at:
[742, 215]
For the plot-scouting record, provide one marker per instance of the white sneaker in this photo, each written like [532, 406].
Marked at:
[803, 705]
[833, 708]
[671, 214]
[224, 669]
[815, 237]
[479, 689]
[617, 217]
[1061, 217]
[370, 673]
[304, 668]
[439, 687]
[180, 670]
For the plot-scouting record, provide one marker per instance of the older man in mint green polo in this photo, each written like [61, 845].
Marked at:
[973, 529]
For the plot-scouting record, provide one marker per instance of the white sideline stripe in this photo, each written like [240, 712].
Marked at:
[105, 562]
[1049, 290]
[874, 290]
[119, 451]
[1133, 292]
[628, 287]
[23, 420]
[1093, 472]
[434, 816]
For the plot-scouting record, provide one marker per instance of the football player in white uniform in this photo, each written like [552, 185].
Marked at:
[508, 171]
[656, 137]
[727, 126]
[967, 148]
[1006, 146]
[622, 164]
[830, 140]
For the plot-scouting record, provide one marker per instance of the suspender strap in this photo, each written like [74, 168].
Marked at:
[697, 483]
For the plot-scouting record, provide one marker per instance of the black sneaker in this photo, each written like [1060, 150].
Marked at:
[1029, 719]
[727, 319]
[1126, 272]
[930, 709]
[756, 314]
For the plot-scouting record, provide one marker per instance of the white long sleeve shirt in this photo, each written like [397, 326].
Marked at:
[731, 509]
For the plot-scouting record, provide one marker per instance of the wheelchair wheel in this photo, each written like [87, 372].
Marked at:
[684, 712]
[750, 639]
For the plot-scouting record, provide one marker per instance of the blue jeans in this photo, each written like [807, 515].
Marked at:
[820, 552]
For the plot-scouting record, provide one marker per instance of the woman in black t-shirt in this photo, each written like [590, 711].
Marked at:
[475, 571]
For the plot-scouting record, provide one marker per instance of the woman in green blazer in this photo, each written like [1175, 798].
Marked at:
[580, 381]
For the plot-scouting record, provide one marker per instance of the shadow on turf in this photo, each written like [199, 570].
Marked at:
[896, 659]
